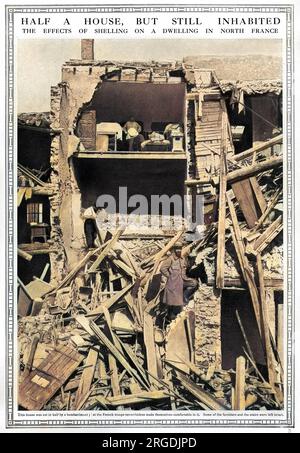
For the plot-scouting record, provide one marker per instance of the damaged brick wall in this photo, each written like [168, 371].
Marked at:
[77, 87]
[208, 326]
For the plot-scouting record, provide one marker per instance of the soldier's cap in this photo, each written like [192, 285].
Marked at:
[178, 245]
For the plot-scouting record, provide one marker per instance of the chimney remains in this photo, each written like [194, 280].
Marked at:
[87, 49]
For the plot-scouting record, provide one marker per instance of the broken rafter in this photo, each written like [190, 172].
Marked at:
[107, 247]
[247, 171]
[117, 354]
[243, 261]
[29, 174]
[259, 148]
[206, 400]
[265, 321]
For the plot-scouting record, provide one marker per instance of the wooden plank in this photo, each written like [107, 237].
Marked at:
[252, 170]
[45, 270]
[247, 201]
[177, 345]
[76, 269]
[222, 211]
[265, 322]
[117, 354]
[272, 203]
[141, 397]
[239, 391]
[150, 346]
[31, 175]
[87, 376]
[29, 363]
[111, 301]
[280, 332]
[134, 360]
[114, 376]
[155, 155]
[268, 235]
[207, 401]
[115, 382]
[258, 194]
[243, 261]
[247, 171]
[259, 148]
[24, 255]
[159, 255]
[42, 383]
[101, 367]
[107, 247]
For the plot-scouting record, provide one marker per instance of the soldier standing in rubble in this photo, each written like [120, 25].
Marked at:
[179, 287]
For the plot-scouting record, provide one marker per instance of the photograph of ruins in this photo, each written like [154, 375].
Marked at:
[135, 309]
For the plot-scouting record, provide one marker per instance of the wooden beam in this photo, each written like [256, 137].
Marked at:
[117, 354]
[245, 172]
[265, 322]
[143, 155]
[261, 147]
[268, 235]
[159, 255]
[76, 269]
[29, 363]
[46, 190]
[261, 201]
[114, 376]
[136, 398]
[111, 301]
[207, 401]
[106, 248]
[250, 199]
[280, 331]
[243, 261]
[252, 170]
[268, 209]
[222, 211]
[239, 391]
[150, 346]
[24, 255]
[87, 376]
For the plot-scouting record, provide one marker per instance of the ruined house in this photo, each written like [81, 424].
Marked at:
[230, 153]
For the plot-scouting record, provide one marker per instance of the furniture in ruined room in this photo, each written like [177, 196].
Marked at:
[177, 141]
[38, 231]
[107, 135]
[157, 146]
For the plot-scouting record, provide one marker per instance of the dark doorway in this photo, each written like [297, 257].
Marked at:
[232, 339]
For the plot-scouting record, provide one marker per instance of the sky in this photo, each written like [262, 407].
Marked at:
[39, 61]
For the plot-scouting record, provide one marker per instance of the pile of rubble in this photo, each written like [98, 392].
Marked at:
[102, 340]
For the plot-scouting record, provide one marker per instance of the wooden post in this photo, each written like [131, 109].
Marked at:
[271, 310]
[222, 209]
[239, 392]
[243, 261]
[265, 322]
[29, 363]
[150, 346]
[279, 332]
[24, 255]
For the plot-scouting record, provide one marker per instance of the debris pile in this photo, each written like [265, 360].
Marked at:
[102, 340]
